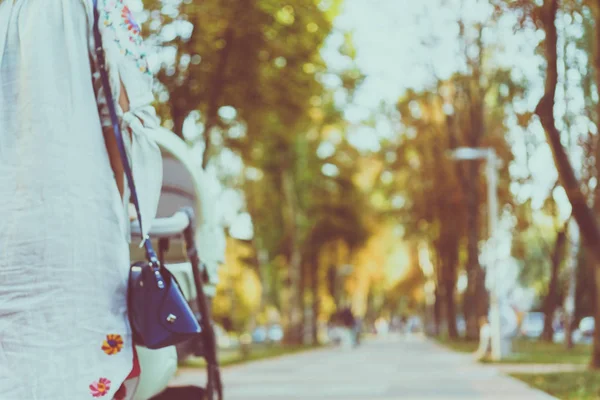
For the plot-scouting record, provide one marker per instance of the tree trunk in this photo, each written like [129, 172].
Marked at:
[178, 115]
[314, 269]
[582, 213]
[294, 260]
[476, 297]
[450, 297]
[552, 299]
[476, 301]
[595, 361]
[437, 311]
[572, 263]
[595, 257]
[303, 285]
[449, 257]
[451, 311]
[472, 266]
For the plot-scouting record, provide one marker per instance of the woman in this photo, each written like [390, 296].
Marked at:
[64, 254]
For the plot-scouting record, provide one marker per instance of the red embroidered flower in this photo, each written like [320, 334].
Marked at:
[129, 21]
[113, 344]
[121, 393]
[100, 388]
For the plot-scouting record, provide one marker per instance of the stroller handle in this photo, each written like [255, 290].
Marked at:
[164, 227]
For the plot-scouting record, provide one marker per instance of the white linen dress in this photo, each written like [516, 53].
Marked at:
[64, 255]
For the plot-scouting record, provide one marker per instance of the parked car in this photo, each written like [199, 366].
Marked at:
[461, 325]
[576, 335]
[532, 325]
[587, 326]
[414, 325]
[275, 333]
[559, 336]
[259, 335]
[271, 334]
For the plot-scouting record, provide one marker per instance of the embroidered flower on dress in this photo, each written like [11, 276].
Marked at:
[100, 388]
[132, 26]
[113, 344]
[125, 32]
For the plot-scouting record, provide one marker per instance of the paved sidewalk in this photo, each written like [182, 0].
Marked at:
[391, 369]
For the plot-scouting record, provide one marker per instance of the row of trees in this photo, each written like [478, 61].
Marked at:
[249, 77]
[479, 107]
[246, 81]
[443, 199]
[576, 183]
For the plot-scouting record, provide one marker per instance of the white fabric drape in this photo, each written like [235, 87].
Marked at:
[64, 256]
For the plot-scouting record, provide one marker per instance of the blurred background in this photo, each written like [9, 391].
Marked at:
[418, 164]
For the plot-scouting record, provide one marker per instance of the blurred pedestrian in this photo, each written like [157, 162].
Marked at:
[357, 331]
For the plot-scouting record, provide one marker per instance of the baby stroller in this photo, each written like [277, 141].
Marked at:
[174, 234]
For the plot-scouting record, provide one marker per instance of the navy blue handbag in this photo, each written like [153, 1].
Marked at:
[159, 313]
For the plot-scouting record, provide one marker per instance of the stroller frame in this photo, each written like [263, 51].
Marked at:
[182, 225]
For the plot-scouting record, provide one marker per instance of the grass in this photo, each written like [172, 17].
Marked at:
[536, 352]
[580, 385]
[530, 352]
[584, 385]
[235, 356]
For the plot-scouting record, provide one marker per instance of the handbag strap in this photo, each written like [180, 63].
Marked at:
[116, 127]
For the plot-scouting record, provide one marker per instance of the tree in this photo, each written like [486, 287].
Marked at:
[582, 213]
[541, 247]
[552, 300]
[572, 271]
[434, 122]
[258, 56]
[247, 73]
[478, 119]
[544, 16]
[426, 180]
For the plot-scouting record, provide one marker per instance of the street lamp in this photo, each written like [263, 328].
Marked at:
[491, 171]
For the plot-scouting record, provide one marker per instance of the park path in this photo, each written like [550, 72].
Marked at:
[383, 369]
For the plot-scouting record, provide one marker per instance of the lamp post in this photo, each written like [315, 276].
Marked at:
[491, 171]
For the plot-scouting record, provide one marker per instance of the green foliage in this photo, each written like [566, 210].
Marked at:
[532, 248]
[249, 74]
[585, 295]
[530, 352]
[433, 123]
[538, 352]
[260, 57]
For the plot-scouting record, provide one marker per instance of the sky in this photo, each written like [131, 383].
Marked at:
[388, 35]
